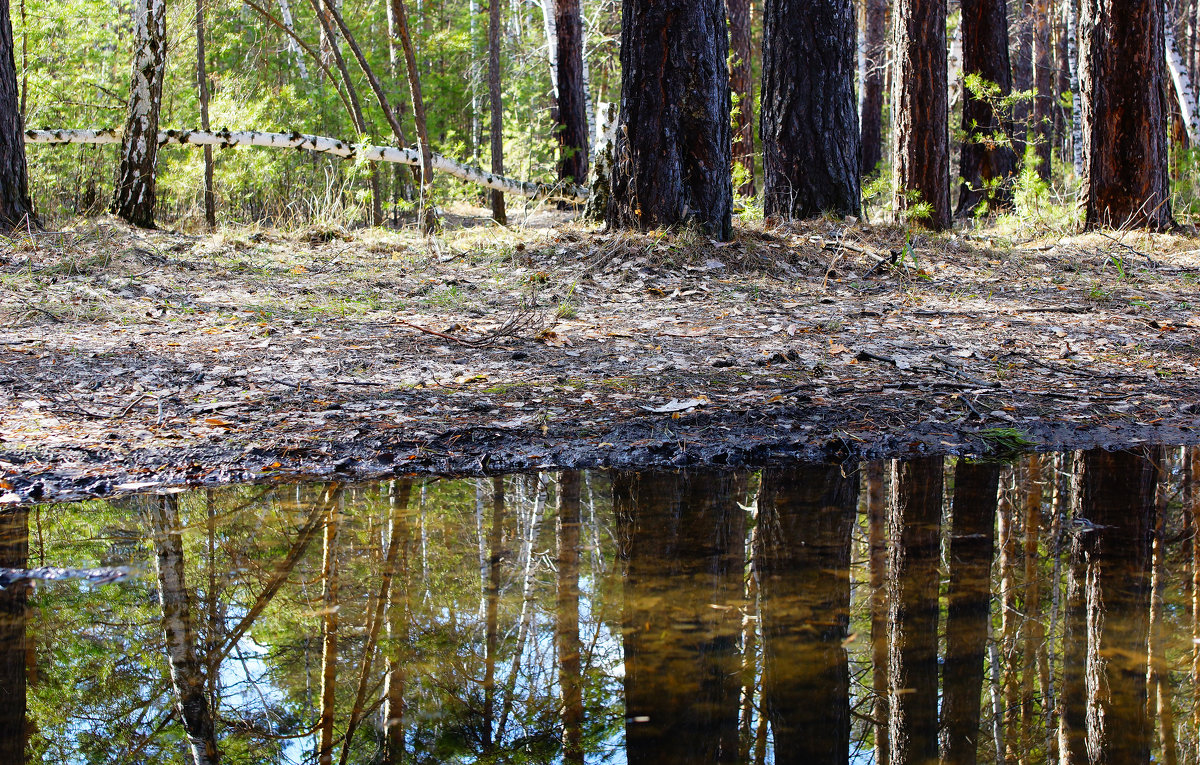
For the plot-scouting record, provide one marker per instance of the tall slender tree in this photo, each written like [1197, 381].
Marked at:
[741, 51]
[572, 128]
[16, 208]
[210, 200]
[875, 30]
[134, 197]
[1124, 114]
[987, 160]
[497, 129]
[672, 154]
[809, 115]
[14, 599]
[1041, 134]
[921, 153]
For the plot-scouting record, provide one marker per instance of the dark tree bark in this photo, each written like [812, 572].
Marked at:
[972, 545]
[1104, 713]
[210, 199]
[16, 208]
[811, 150]
[134, 197]
[1042, 133]
[875, 26]
[497, 129]
[806, 515]
[492, 609]
[987, 161]
[14, 553]
[920, 110]
[914, 544]
[741, 84]
[572, 129]
[1124, 114]
[672, 155]
[682, 541]
[1022, 72]
[566, 627]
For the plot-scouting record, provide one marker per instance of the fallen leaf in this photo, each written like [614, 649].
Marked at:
[675, 405]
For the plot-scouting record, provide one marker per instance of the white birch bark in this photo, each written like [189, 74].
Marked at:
[1183, 89]
[551, 44]
[322, 145]
[285, 13]
[1076, 104]
[134, 196]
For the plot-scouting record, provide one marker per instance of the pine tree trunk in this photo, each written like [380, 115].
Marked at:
[497, 130]
[572, 128]
[810, 137]
[134, 197]
[1124, 114]
[913, 553]
[875, 30]
[16, 208]
[329, 636]
[1022, 72]
[1043, 81]
[806, 516]
[742, 87]
[972, 545]
[672, 157]
[986, 162]
[14, 615]
[428, 213]
[210, 200]
[398, 621]
[920, 111]
[566, 626]
[877, 519]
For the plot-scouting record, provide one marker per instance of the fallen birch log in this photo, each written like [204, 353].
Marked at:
[226, 139]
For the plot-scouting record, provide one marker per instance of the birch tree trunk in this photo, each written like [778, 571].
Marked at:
[285, 14]
[329, 636]
[16, 208]
[187, 674]
[210, 201]
[1076, 103]
[134, 197]
[1183, 90]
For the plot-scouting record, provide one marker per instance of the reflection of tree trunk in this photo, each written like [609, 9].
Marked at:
[1073, 698]
[1158, 686]
[806, 515]
[14, 553]
[913, 546]
[492, 611]
[972, 543]
[329, 646]
[570, 679]
[187, 674]
[1032, 663]
[877, 564]
[682, 539]
[399, 541]
[1009, 623]
[1110, 592]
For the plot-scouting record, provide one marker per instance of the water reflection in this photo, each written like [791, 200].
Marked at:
[924, 611]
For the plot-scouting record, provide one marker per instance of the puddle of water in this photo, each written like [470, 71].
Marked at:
[896, 612]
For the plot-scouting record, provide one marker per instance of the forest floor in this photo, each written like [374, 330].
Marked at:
[133, 359]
